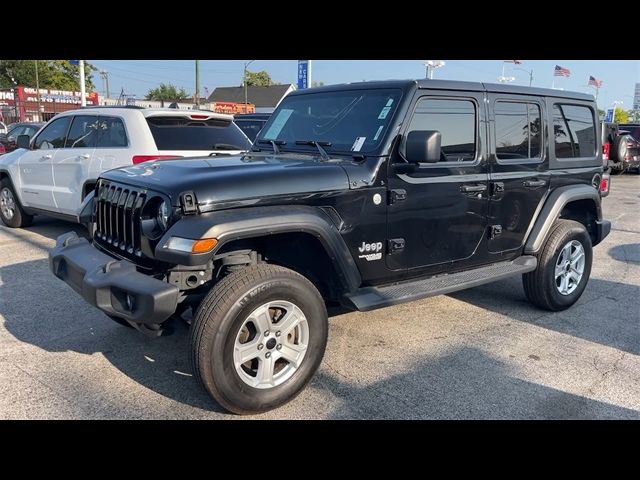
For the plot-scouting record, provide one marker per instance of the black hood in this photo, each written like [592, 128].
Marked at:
[237, 177]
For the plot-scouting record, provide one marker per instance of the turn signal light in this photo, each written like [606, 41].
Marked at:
[203, 246]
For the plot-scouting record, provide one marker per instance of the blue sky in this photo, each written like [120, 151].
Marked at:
[138, 76]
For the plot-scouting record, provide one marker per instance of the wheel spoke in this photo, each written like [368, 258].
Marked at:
[577, 256]
[292, 353]
[292, 318]
[265, 370]
[261, 319]
[247, 351]
[560, 269]
[566, 252]
[564, 284]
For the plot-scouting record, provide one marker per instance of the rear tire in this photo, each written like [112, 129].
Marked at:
[11, 211]
[258, 337]
[561, 275]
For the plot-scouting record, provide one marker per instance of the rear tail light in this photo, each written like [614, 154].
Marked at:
[146, 158]
[606, 148]
[2, 149]
[199, 117]
[604, 185]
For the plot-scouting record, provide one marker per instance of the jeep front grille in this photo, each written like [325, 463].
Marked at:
[118, 218]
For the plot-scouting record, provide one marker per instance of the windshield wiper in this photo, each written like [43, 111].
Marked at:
[274, 144]
[318, 145]
[226, 146]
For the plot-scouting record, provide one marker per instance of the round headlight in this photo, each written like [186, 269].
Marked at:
[163, 215]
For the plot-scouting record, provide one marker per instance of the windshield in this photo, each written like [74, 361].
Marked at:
[342, 121]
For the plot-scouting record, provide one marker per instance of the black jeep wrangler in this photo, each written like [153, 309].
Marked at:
[362, 195]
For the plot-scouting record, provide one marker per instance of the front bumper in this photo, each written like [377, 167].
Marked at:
[114, 286]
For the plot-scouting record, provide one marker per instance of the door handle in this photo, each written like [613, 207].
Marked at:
[45, 157]
[473, 188]
[534, 183]
[84, 156]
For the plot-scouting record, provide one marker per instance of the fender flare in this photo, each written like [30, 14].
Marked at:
[243, 223]
[552, 209]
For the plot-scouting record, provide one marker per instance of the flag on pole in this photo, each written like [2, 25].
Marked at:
[517, 62]
[561, 72]
[594, 82]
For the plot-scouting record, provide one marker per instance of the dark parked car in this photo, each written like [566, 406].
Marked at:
[366, 195]
[621, 146]
[8, 140]
[251, 123]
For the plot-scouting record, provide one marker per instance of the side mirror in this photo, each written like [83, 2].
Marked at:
[23, 141]
[423, 146]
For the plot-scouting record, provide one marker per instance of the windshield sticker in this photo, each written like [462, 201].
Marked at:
[278, 123]
[384, 112]
[378, 132]
[357, 145]
[390, 102]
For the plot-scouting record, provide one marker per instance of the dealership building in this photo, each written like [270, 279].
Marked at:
[26, 104]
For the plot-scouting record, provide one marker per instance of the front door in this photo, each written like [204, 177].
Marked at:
[438, 211]
[519, 177]
[36, 165]
[71, 164]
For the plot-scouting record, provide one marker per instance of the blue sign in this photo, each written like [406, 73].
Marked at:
[608, 116]
[74, 62]
[303, 74]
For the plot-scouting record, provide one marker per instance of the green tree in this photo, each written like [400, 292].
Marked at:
[259, 79]
[621, 116]
[52, 74]
[167, 92]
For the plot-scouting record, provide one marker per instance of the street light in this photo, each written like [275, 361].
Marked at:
[245, 83]
[529, 72]
[431, 66]
[503, 79]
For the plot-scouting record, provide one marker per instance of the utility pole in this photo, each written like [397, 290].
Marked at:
[38, 90]
[196, 96]
[245, 84]
[83, 99]
[105, 78]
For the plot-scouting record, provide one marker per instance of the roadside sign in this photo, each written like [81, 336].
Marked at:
[304, 74]
[608, 116]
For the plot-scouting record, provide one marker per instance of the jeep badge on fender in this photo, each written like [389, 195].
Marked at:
[468, 187]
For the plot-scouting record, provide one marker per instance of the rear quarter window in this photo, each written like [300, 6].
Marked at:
[179, 133]
[574, 131]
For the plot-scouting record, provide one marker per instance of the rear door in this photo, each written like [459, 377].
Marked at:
[72, 162]
[438, 212]
[36, 165]
[519, 177]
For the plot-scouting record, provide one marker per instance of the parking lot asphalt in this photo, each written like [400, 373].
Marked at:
[483, 353]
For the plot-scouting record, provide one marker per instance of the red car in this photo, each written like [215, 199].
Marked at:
[8, 140]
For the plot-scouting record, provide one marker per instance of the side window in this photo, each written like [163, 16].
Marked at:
[112, 133]
[83, 132]
[53, 135]
[574, 131]
[13, 134]
[456, 121]
[518, 131]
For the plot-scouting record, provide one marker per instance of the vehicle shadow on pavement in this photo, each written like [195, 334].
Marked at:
[44, 312]
[626, 253]
[464, 383]
[607, 312]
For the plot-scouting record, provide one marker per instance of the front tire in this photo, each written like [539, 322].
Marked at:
[564, 266]
[11, 211]
[258, 337]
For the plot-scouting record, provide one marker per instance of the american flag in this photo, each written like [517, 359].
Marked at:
[517, 62]
[561, 71]
[594, 82]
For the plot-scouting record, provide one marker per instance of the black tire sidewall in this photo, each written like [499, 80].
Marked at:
[559, 301]
[220, 352]
[20, 218]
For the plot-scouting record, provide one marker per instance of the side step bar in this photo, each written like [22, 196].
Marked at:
[369, 298]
